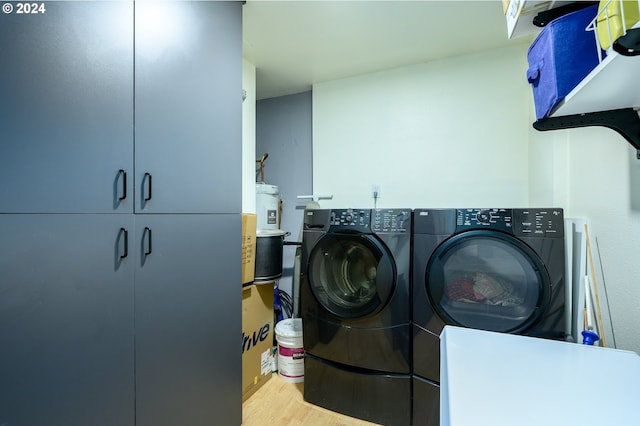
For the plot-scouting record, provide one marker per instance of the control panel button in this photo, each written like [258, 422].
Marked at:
[484, 216]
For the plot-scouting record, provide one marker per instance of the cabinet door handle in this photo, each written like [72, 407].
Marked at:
[125, 234]
[147, 177]
[123, 176]
[148, 238]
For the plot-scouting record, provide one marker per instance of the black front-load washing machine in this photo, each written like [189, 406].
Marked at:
[355, 309]
[500, 270]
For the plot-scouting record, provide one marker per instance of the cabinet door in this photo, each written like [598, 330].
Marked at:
[188, 107]
[66, 109]
[66, 320]
[188, 320]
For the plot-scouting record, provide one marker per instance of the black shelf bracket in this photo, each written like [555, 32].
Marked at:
[629, 43]
[624, 121]
[546, 16]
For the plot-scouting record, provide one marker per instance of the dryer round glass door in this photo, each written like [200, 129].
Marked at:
[487, 280]
[351, 275]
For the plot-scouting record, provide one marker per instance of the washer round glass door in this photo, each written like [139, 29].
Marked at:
[487, 280]
[351, 275]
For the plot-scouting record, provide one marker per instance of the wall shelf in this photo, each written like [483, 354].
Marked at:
[608, 86]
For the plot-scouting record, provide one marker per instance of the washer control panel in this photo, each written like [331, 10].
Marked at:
[357, 219]
[500, 219]
[391, 220]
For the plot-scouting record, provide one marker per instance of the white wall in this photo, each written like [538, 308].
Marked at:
[249, 138]
[449, 133]
[604, 187]
[458, 133]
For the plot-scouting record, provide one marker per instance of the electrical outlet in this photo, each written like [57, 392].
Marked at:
[375, 191]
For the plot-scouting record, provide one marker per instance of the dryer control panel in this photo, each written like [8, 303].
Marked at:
[539, 222]
[500, 219]
[391, 220]
[354, 219]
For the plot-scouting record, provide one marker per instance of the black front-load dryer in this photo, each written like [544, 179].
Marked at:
[500, 270]
[355, 309]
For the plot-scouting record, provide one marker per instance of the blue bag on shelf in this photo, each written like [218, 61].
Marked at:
[560, 57]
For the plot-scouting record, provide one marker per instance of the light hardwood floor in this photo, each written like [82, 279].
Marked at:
[280, 403]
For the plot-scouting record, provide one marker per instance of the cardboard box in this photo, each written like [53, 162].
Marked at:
[257, 337]
[520, 15]
[249, 225]
[505, 6]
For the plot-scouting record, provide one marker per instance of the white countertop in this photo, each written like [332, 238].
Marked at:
[497, 379]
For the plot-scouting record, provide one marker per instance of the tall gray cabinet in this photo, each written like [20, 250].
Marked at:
[120, 224]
